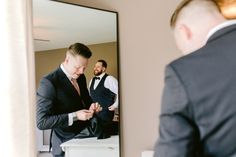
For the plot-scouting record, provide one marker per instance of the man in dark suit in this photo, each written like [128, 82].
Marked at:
[63, 101]
[198, 113]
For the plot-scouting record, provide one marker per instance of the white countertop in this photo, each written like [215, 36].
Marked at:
[113, 141]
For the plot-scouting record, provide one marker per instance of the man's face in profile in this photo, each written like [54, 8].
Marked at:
[76, 65]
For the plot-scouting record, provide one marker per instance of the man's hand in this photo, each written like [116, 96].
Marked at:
[112, 108]
[95, 107]
[84, 114]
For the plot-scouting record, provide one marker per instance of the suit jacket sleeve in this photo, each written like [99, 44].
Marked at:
[177, 131]
[46, 119]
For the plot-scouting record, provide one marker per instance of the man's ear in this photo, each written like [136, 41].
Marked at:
[103, 69]
[67, 58]
[185, 31]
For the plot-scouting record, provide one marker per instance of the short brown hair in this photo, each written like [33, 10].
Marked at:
[182, 4]
[177, 11]
[79, 49]
[104, 63]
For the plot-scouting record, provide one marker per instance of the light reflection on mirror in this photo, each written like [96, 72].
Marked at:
[228, 8]
[58, 25]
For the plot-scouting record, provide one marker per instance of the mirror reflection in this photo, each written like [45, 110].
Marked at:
[76, 58]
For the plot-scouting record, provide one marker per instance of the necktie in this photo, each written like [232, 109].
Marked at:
[97, 78]
[75, 84]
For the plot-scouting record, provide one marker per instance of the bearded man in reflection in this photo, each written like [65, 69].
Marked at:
[103, 89]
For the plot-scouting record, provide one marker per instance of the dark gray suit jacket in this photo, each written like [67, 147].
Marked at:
[198, 115]
[56, 97]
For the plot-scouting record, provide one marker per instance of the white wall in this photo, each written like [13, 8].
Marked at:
[146, 46]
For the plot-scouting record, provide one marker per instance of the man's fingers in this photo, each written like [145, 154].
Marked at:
[100, 109]
[88, 111]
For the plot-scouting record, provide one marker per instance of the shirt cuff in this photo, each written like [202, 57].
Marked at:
[115, 104]
[72, 117]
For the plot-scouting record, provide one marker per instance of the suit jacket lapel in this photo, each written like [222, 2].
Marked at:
[67, 84]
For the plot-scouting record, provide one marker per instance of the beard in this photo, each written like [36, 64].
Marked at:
[97, 73]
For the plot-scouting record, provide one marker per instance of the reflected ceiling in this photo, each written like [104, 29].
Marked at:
[57, 25]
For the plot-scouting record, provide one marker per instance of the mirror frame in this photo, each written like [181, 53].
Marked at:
[40, 133]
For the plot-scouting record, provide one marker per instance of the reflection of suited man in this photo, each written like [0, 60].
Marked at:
[198, 116]
[60, 106]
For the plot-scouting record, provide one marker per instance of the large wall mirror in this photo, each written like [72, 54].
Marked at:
[56, 25]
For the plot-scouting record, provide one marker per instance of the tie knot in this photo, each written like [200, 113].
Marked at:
[75, 84]
[97, 78]
[73, 80]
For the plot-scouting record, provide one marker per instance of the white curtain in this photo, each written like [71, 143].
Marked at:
[17, 84]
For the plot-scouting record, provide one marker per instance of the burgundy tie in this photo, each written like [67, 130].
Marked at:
[75, 84]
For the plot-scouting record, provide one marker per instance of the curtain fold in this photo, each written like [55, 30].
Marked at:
[17, 85]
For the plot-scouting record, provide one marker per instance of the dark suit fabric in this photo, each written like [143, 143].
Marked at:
[198, 114]
[56, 97]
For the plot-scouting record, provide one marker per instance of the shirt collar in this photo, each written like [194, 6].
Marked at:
[64, 70]
[219, 27]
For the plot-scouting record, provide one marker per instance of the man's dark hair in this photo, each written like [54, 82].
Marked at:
[79, 49]
[104, 63]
